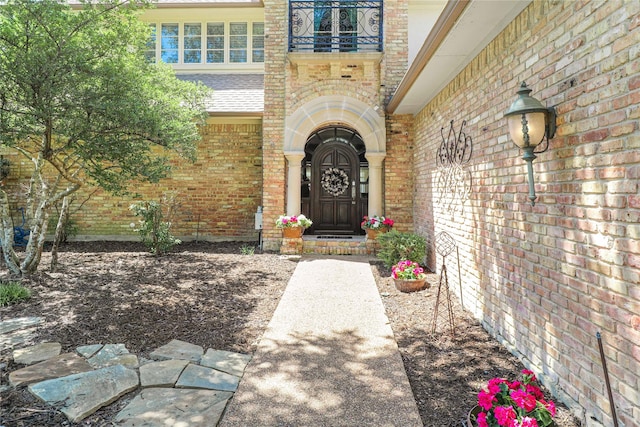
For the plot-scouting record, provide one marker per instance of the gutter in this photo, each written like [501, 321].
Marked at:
[449, 16]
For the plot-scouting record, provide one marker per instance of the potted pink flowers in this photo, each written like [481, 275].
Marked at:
[373, 225]
[293, 225]
[408, 276]
[513, 404]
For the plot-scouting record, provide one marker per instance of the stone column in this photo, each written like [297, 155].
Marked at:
[375, 182]
[294, 159]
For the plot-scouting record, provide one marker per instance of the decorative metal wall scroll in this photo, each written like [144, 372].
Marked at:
[454, 182]
[334, 181]
[445, 245]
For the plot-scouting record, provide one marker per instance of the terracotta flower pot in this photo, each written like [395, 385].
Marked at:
[292, 232]
[411, 285]
[471, 417]
[373, 233]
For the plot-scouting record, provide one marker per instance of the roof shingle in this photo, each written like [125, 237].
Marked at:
[232, 93]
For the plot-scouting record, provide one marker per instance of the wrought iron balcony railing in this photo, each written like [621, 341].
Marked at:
[335, 26]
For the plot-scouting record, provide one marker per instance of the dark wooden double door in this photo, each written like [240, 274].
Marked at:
[336, 203]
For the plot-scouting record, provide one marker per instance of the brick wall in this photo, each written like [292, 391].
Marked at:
[217, 195]
[274, 163]
[545, 279]
[398, 174]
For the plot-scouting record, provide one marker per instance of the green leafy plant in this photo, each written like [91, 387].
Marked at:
[247, 250]
[396, 246]
[13, 292]
[154, 231]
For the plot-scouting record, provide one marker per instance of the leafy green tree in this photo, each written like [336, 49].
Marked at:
[81, 103]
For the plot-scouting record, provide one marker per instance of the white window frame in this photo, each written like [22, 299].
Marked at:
[181, 64]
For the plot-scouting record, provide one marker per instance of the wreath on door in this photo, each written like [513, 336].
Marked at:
[334, 181]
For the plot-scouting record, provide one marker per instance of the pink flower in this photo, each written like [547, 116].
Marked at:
[485, 400]
[551, 407]
[529, 376]
[529, 422]
[524, 400]
[515, 385]
[482, 420]
[505, 415]
[494, 385]
[535, 390]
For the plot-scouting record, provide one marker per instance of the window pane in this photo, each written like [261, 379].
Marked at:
[238, 42]
[150, 52]
[169, 43]
[238, 56]
[192, 43]
[215, 42]
[215, 29]
[238, 28]
[215, 57]
[258, 55]
[192, 56]
[257, 42]
[192, 30]
[170, 57]
[258, 28]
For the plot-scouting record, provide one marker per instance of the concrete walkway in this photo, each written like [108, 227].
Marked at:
[328, 356]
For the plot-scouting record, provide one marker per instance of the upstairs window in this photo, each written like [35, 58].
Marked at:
[195, 43]
[238, 42]
[215, 43]
[257, 42]
[192, 53]
[169, 43]
[150, 52]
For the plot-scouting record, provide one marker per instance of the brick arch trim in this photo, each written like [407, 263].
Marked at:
[332, 110]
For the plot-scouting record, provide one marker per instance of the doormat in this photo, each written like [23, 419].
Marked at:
[335, 237]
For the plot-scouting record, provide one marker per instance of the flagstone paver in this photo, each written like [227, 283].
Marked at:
[161, 374]
[89, 350]
[155, 407]
[37, 353]
[226, 361]
[177, 349]
[59, 366]
[18, 331]
[174, 391]
[80, 395]
[195, 376]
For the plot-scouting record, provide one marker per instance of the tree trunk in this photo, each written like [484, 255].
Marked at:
[57, 239]
[10, 257]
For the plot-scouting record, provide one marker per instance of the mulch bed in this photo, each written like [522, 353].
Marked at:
[211, 295]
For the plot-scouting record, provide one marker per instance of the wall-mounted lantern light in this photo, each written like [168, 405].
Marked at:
[529, 123]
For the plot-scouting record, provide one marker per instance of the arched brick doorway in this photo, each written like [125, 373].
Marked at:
[334, 186]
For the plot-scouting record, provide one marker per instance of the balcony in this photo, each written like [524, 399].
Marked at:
[335, 26]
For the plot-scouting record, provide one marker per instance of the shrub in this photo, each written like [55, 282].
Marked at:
[247, 250]
[396, 246]
[154, 231]
[13, 292]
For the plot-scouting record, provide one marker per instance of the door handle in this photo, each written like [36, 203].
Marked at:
[353, 192]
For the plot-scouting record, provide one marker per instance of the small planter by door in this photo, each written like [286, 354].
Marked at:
[410, 285]
[373, 233]
[292, 232]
